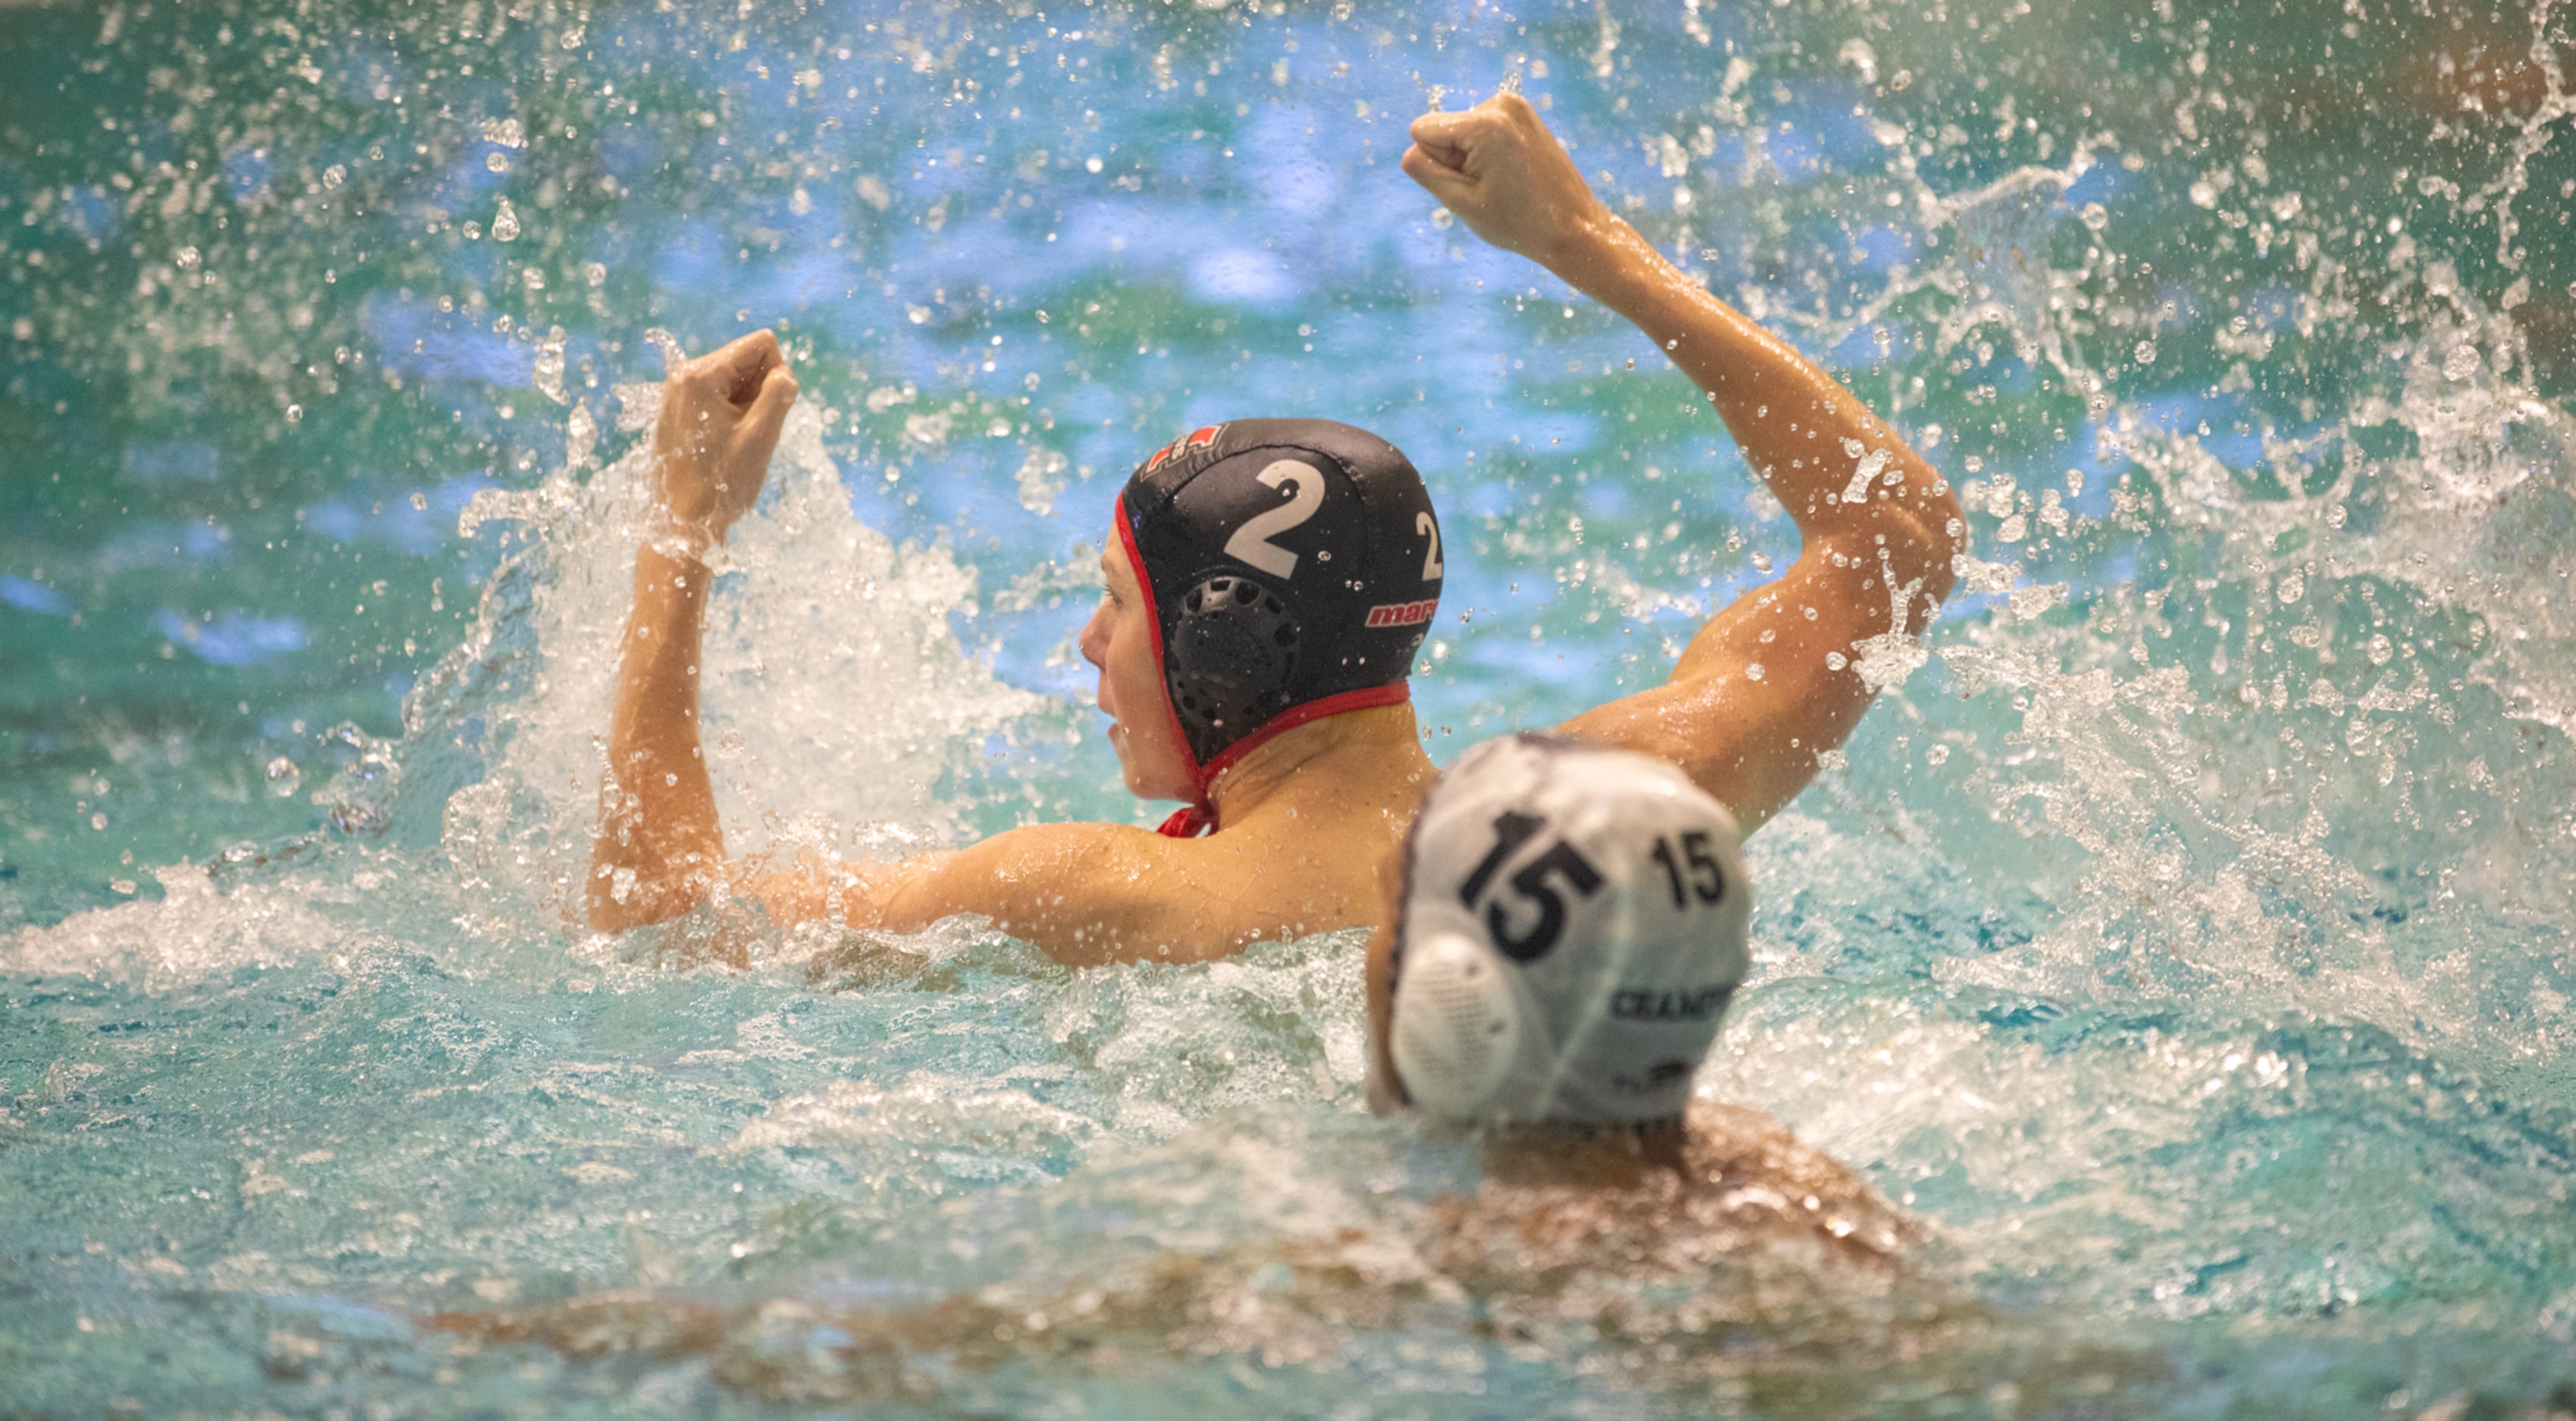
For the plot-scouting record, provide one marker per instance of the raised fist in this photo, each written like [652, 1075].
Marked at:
[719, 424]
[1497, 167]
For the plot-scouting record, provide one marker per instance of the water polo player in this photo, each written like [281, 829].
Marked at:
[1557, 944]
[1558, 941]
[1267, 584]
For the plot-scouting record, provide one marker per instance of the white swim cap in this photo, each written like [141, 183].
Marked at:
[1571, 928]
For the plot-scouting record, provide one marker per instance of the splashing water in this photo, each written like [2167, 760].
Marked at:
[2184, 940]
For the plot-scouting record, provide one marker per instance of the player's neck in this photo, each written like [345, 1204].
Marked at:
[1358, 756]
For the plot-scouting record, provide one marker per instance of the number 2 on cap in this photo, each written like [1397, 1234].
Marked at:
[1251, 542]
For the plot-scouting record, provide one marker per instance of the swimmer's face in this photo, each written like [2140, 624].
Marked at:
[1378, 973]
[1119, 639]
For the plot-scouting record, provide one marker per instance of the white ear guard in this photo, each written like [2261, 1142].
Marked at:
[1457, 1025]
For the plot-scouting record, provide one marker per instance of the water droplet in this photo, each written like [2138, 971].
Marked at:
[581, 432]
[1443, 218]
[187, 258]
[2146, 352]
[2463, 361]
[2014, 529]
[548, 369]
[2292, 588]
[295, 414]
[1754, 672]
[1091, 165]
[2381, 651]
[419, 502]
[498, 162]
[283, 777]
[673, 357]
[505, 223]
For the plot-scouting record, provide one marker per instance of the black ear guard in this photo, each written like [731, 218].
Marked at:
[1230, 657]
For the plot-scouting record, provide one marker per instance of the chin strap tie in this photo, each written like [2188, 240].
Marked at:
[1188, 822]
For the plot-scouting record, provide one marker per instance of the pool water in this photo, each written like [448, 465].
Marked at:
[2185, 941]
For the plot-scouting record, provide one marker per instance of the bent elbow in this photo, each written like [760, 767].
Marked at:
[1920, 562]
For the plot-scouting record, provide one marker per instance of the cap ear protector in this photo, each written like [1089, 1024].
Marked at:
[1457, 1027]
[1231, 656]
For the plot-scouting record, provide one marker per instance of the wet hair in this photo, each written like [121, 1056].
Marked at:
[1292, 567]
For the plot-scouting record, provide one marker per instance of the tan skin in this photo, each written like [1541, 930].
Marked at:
[1303, 820]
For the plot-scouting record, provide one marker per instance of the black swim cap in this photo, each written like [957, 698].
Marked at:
[1292, 567]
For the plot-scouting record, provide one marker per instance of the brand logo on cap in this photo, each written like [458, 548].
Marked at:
[1633, 1004]
[1402, 614]
[1195, 439]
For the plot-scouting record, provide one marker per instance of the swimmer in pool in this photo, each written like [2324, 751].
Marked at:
[1558, 938]
[1267, 584]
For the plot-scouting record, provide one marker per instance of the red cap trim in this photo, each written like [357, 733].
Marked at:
[1364, 698]
[1154, 628]
[1198, 818]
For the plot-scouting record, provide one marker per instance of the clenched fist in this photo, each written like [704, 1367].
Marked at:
[719, 424]
[1497, 167]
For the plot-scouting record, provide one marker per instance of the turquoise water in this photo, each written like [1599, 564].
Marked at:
[2186, 942]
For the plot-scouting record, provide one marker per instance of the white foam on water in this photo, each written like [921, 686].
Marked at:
[836, 694]
[192, 932]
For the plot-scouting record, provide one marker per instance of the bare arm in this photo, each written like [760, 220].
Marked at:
[1772, 680]
[1083, 894]
[659, 848]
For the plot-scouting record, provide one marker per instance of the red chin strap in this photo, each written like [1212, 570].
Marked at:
[1199, 815]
